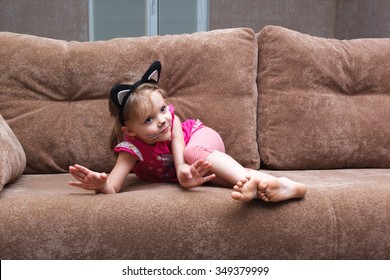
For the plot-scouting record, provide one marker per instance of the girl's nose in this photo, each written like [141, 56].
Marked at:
[162, 121]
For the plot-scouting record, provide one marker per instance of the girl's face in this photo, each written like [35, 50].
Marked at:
[155, 124]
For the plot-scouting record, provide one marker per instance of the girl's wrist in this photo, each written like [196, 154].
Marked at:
[106, 189]
[180, 167]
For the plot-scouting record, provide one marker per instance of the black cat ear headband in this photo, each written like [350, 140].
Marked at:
[121, 92]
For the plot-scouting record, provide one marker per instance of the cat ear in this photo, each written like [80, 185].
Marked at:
[118, 94]
[121, 92]
[121, 95]
[152, 75]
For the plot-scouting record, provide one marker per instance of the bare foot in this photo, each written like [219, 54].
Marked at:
[280, 189]
[270, 190]
[246, 189]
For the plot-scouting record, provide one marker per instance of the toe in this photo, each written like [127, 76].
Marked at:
[236, 195]
[263, 186]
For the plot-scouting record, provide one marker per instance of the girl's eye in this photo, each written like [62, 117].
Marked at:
[148, 120]
[163, 108]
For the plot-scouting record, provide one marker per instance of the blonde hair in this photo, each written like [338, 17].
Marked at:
[135, 107]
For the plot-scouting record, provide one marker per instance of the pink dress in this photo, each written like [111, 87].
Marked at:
[155, 163]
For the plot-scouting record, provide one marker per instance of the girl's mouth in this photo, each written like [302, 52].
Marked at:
[155, 136]
[164, 130]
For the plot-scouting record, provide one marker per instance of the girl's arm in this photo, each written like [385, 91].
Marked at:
[178, 144]
[189, 176]
[100, 182]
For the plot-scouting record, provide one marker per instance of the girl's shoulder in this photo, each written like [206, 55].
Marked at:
[129, 147]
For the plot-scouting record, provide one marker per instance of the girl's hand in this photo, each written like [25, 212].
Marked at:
[88, 179]
[194, 175]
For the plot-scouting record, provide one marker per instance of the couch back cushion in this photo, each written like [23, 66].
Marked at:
[323, 103]
[54, 94]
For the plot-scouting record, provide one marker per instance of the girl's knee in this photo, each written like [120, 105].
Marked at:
[196, 152]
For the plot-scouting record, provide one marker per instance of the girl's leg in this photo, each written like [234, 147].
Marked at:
[207, 144]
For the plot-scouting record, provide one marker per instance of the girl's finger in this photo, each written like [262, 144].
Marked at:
[75, 184]
[197, 163]
[77, 176]
[82, 169]
[208, 178]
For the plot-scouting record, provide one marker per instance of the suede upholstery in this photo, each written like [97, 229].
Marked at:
[312, 106]
[69, 83]
[334, 96]
[340, 218]
[12, 156]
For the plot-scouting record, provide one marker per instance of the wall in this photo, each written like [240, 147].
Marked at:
[57, 19]
[362, 18]
[307, 16]
[344, 19]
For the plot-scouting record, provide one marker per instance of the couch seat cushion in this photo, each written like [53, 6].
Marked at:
[44, 218]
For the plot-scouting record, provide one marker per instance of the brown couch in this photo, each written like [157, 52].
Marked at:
[313, 109]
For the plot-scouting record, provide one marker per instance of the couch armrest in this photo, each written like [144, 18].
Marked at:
[12, 156]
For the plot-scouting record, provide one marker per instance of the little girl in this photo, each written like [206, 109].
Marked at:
[151, 141]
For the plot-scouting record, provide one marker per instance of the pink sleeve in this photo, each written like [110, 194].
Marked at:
[129, 148]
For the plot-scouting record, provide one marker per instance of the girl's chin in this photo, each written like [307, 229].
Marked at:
[159, 137]
[164, 137]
